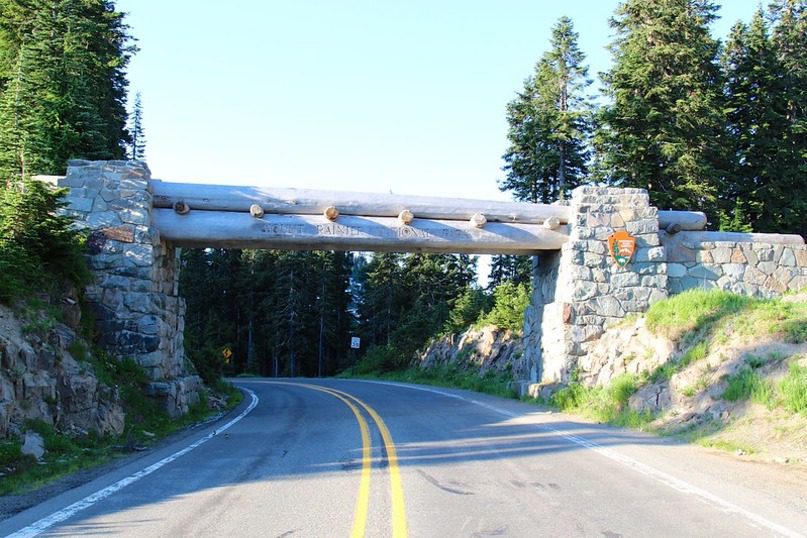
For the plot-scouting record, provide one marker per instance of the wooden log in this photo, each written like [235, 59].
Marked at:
[313, 202]
[735, 237]
[687, 220]
[305, 232]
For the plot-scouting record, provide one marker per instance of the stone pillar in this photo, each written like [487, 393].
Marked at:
[583, 291]
[134, 298]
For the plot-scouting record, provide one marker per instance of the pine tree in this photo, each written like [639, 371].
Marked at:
[137, 148]
[508, 268]
[789, 39]
[754, 194]
[664, 129]
[62, 84]
[550, 123]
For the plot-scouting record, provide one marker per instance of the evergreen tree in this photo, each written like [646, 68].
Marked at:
[789, 38]
[754, 194]
[62, 84]
[550, 123]
[664, 129]
[137, 148]
[508, 268]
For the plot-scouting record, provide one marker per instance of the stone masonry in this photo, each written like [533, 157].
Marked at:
[744, 266]
[134, 298]
[580, 295]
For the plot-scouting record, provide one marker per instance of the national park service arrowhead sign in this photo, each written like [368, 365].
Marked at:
[621, 245]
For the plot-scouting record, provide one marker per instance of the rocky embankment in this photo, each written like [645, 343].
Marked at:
[41, 379]
[483, 349]
[685, 384]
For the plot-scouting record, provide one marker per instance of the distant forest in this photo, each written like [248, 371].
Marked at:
[702, 124]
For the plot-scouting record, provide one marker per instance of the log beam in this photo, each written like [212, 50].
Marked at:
[314, 202]
[305, 232]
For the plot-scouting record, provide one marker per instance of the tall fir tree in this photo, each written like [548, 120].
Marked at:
[550, 123]
[754, 194]
[789, 37]
[664, 129]
[137, 147]
[62, 84]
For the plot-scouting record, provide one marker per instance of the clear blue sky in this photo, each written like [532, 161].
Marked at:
[403, 96]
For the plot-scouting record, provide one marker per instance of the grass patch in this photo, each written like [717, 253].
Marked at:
[451, 376]
[692, 310]
[749, 385]
[604, 404]
[793, 389]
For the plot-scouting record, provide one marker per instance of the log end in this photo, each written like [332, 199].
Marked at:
[551, 223]
[181, 207]
[479, 220]
[256, 211]
[331, 213]
[406, 217]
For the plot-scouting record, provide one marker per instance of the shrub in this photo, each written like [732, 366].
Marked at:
[379, 360]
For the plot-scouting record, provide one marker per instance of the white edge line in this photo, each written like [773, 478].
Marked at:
[88, 501]
[651, 472]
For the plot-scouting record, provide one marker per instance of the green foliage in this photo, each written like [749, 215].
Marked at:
[694, 354]
[796, 329]
[736, 221]
[604, 404]
[793, 389]
[692, 310]
[62, 84]
[266, 312]
[10, 452]
[550, 123]
[508, 268]
[137, 147]
[451, 375]
[748, 384]
[664, 126]
[380, 360]
[471, 305]
[38, 247]
[510, 303]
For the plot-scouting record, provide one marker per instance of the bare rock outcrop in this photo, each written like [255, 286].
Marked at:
[40, 379]
[486, 348]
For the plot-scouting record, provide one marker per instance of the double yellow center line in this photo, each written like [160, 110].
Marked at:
[399, 528]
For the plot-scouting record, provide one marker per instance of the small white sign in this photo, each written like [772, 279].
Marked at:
[355, 342]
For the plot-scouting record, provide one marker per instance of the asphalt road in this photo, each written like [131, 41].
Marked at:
[335, 458]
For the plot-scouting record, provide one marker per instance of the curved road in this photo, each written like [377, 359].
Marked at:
[337, 458]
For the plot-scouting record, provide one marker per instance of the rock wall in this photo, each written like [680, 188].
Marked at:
[135, 298]
[758, 268]
[41, 380]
